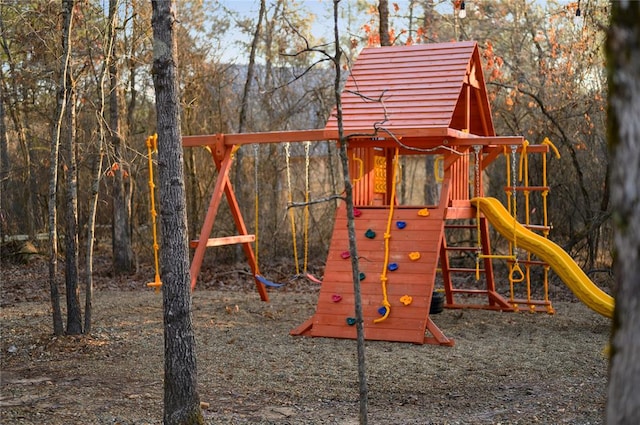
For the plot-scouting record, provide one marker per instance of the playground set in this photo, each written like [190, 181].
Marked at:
[404, 101]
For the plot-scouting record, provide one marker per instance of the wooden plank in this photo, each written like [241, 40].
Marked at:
[402, 324]
[373, 334]
[225, 240]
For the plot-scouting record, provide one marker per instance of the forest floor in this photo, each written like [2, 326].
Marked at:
[507, 368]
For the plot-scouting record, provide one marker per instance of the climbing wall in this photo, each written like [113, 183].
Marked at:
[416, 235]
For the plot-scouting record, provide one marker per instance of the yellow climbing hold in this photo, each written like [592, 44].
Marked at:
[406, 299]
[424, 212]
[413, 256]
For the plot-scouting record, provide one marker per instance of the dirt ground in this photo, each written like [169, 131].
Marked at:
[505, 368]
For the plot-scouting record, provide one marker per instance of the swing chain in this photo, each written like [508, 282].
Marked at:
[514, 148]
[256, 201]
[307, 148]
[477, 149]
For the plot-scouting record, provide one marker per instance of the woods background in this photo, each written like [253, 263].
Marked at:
[545, 74]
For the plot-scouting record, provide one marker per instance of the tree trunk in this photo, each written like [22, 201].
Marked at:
[61, 105]
[4, 162]
[96, 173]
[181, 399]
[351, 228]
[383, 14]
[29, 204]
[624, 133]
[241, 193]
[123, 260]
[74, 313]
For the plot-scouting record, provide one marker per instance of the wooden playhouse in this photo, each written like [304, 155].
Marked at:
[426, 100]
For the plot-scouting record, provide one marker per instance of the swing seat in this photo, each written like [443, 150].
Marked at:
[312, 278]
[267, 282]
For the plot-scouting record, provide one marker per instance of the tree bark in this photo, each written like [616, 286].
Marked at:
[351, 228]
[96, 173]
[181, 399]
[61, 105]
[4, 162]
[29, 204]
[623, 50]
[123, 260]
[74, 313]
[383, 14]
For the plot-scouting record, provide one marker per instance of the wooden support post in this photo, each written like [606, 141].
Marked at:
[223, 160]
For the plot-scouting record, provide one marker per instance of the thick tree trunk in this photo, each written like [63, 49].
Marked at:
[624, 137]
[181, 400]
[74, 313]
[123, 260]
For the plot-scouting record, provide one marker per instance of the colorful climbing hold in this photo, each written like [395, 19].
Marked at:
[413, 256]
[345, 255]
[401, 224]
[406, 299]
[424, 212]
[336, 298]
[370, 234]
[356, 212]
[361, 276]
[392, 267]
[351, 321]
[382, 310]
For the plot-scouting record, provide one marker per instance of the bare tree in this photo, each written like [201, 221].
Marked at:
[70, 168]
[624, 130]
[351, 228]
[61, 106]
[4, 162]
[123, 261]
[181, 399]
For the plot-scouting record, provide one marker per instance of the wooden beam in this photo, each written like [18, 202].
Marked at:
[263, 137]
[225, 240]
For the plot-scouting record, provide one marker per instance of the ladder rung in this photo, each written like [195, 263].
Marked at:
[463, 270]
[460, 226]
[470, 291]
[528, 188]
[463, 248]
[537, 227]
[529, 262]
[226, 240]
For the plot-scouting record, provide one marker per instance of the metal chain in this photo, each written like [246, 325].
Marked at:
[477, 149]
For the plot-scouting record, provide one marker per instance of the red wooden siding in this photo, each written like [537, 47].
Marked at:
[414, 278]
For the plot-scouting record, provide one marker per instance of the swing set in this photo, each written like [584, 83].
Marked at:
[434, 102]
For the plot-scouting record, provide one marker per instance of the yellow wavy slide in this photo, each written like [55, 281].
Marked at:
[561, 262]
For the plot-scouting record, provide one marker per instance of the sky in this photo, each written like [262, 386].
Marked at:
[323, 11]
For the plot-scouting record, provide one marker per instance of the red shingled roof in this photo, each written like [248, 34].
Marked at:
[421, 86]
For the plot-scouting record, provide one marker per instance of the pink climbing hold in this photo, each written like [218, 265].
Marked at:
[336, 298]
[345, 255]
[356, 212]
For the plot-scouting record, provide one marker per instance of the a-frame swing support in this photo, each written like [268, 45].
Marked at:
[223, 159]
[221, 147]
